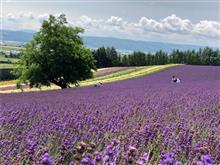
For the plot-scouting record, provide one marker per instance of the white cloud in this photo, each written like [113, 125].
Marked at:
[43, 17]
[23, 21]
[149, 24]
[207, 28]
[19, 17]
[172, 27]
[176, 24]
[29, 15]
[85, 20]
[11, 17]
[170, 24]
[115, 21]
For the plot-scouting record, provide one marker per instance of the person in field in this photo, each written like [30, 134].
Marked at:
[99, 84]
[176, 80]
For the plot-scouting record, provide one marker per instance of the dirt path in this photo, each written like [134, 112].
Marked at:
[101, 72]
[105, 71]
[11, 87]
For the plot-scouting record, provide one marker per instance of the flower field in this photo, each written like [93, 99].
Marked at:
[123, 73]
[146, 120]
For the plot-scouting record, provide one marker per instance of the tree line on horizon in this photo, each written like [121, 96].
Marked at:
[109, 57]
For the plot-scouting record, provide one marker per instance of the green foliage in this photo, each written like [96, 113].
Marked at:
[8, 60]
[205, 56]
[55, 55]
[7, 65]
[112, 56]
[124, 60]
[106, 57]
[100, 56]
[6, 73]
[137, 59]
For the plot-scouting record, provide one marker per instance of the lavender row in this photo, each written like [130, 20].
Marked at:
[147, 120]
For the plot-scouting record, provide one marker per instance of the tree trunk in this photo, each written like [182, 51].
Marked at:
[63, 86]
[60, 84]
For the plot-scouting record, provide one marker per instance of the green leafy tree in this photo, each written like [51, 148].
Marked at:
[124, 60]
[55, 55]
[101, 57]
[108, 56]
[114, 57]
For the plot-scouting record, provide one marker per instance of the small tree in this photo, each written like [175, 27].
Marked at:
[55, 55]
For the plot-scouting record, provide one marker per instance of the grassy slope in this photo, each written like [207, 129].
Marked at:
[8, 82]
[123, 75]
[9, 66]
[12, 63]
[10, 48]
[117, 76]
[12, 60]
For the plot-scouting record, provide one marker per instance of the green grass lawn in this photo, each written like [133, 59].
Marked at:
[113, 77]
[10, 60]
[10, 48]
[7, 82]
[8, 66]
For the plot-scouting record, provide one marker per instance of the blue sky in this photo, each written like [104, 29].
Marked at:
[176, 21]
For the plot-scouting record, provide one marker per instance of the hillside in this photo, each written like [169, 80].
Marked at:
[123, 45]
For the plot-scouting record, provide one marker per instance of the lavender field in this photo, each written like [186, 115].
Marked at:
[147, 120]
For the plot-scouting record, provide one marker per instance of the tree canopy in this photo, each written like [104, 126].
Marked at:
[204, 56]
[56, 54]
[106, 57]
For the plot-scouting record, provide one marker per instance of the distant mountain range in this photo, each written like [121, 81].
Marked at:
[123, 45]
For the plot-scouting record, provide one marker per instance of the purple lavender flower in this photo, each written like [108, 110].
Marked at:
[46, 159]
[145, 157]
[182, 120]
[206, 159]
[31, 145]
[200, 163]
[140, 162]
[109, 151]
[87, 161]
[98, 156]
